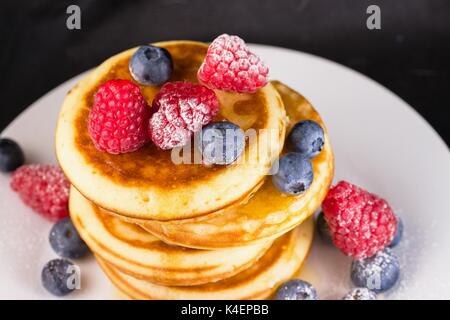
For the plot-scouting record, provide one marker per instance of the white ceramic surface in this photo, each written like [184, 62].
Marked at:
[380, 143]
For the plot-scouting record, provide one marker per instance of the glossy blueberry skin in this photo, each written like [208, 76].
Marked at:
[377, 273]
[398, 233]
[360, 294]
[151, 65]
[295, 174]
[65, 240]
[323, 229]
[296, 290]
[221, 143]
[307, 137]
[11, 155]
[55, 276]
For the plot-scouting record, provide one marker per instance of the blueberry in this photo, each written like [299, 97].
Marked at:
[295, 174]
[360, 294]
[323, 229]
[221, 143]
[377, 273]
[66, 241]
[11, 155]
[296, 290]
[307, 138]
[398, 233]
[151, 65]
[58, 277]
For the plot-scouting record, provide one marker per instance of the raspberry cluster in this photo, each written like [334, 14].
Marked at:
[120, 120]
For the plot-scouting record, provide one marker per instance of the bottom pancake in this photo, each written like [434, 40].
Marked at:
[278, 264]
[134, 251]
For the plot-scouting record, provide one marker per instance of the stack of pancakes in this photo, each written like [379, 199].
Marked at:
[161, 229]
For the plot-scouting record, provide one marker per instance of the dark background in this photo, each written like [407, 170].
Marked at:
[410, 55]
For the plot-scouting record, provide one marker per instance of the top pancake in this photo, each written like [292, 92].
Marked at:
[147, 184]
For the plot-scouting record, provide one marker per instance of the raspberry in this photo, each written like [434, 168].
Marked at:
[361, 223]
[118, 118]
[44, 188]
[182, 108]
[229, 65]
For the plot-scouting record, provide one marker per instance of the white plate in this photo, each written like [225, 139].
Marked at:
[380, 143]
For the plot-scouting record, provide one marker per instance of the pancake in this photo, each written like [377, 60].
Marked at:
[260, 281]
[135, 252]
[147, 184]
[268, 213]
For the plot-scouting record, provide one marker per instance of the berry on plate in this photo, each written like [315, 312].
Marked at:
[360, 294]
[11, 155]
[56, 277]
[296, 290]
[230, 65]
[361, 223]
[307, 137]
[151, 65]
[182, 108]
[323, 229]
[65, 240]
[295, 174]
[118, 119]
[377, 273]
[221, 143]
[398, 233]
[44, 188]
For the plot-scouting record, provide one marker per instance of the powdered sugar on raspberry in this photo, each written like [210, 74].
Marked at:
[182, 109]
[230, 65]
[361, 223]
[44, 188]
[165, 134]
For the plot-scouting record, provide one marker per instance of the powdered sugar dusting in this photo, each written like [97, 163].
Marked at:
[44, 188]
[182, 109]
[378, 273]
[230, 65]
[361, 223]
[361, 294]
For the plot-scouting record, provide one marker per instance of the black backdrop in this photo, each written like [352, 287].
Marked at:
[410, 54]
